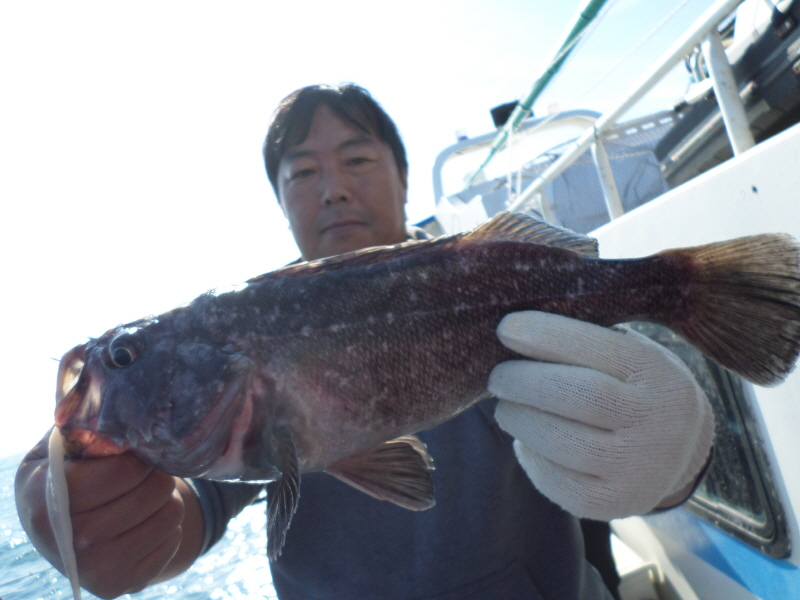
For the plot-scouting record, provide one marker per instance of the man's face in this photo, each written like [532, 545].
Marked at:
[341, 189]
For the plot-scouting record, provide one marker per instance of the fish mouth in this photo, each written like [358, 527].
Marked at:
[78, 407]
[83, 443]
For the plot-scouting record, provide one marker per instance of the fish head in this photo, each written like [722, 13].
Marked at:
[172, 400]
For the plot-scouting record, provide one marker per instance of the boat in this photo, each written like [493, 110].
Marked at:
[722, 163]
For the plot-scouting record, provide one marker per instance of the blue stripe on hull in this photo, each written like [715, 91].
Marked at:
[767, 578]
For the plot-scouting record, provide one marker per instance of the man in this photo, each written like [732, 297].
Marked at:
[612, 425]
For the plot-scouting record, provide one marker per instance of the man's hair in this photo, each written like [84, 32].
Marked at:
[353, 104]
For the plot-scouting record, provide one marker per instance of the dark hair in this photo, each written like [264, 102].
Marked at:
[351, 103]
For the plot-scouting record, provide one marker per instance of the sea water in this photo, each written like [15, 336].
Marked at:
[235, 568]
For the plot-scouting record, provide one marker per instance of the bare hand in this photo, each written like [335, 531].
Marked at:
[126, 516]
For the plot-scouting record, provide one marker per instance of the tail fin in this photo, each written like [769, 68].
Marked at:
[747, 315]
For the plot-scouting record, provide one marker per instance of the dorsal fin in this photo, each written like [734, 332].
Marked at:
[519, 227]
[512, 227]
[357, 258]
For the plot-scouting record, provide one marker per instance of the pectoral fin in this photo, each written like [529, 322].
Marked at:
[397, 471]
[283, 502]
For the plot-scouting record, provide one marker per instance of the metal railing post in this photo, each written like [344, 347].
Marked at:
[607, 183]
[727, 93]
[547, 208]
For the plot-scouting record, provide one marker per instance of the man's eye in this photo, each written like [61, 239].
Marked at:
[302, 174]
[358, 160]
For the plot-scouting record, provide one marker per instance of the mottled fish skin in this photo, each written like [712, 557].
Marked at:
[316, 362]
[416, 341]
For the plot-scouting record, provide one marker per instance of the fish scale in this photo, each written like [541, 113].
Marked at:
[332, 365]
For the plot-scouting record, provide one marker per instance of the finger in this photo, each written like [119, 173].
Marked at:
[94, 482]
[151, 533]
[125, 512]
[135, 550]
[127, 579]
[569, 444]
[581, 494]
[152, 565]
[572, 392]
[553, 338]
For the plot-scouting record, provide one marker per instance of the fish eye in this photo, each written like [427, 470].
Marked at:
[123, 349]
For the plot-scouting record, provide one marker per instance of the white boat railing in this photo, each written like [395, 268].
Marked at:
[704, 31]
[578, 120]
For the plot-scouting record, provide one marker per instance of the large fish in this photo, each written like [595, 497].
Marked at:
[332, 365]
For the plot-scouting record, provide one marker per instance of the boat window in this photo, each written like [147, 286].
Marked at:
[738, 493]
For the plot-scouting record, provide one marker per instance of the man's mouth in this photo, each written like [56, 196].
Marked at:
[342, 225]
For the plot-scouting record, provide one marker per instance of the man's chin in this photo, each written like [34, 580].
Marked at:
[346, 239]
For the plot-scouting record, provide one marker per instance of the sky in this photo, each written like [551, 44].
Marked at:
[131, 177]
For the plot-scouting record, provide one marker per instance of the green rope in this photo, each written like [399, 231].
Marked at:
[585, 16]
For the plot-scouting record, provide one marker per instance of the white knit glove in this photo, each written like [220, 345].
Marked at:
[616, 428]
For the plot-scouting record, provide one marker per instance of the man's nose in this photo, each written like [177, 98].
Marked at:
[335, 187]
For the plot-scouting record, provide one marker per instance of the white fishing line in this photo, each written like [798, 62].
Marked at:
[58, 509]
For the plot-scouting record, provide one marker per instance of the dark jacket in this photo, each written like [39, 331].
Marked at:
[491, 535]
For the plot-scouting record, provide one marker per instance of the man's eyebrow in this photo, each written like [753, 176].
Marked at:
[295, 154]
[357, 141]
[290, 155]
